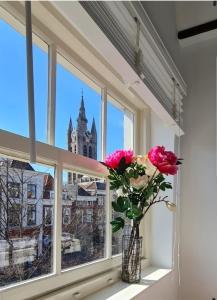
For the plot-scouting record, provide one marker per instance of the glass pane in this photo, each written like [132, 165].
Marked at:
[83, 219]
[13, 81]
[78, 111]
[119, 136]
[26, 223]
[115, 127]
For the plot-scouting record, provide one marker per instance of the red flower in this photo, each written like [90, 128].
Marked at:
[112, 161]
[165, 161]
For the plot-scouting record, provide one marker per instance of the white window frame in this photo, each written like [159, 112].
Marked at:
[13, 145]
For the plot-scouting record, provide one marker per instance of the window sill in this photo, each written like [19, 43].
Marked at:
[126, 291]
[108, 286]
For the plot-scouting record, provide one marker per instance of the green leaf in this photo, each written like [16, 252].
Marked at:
[117, 224]
[121, 205]
[134, 213]
[159, 178]
[168, 185]
[115, 206]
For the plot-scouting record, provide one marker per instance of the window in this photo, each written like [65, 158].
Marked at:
[25, 242]
[14, 189]
[29, 207]
[121, 121]
[84, 223]
[115, 123]
[48, 215]
[14, 215]
[78, 111]
[90, 152]
[31, 214]
[31, 191]
[85, 150]
[14, 81]
[89, 215]
[66, 215]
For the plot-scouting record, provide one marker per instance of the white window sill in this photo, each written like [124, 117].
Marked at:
[126, 291]
[108, 286]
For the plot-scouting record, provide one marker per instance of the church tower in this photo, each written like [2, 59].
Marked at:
[80, 139]
[93, 144]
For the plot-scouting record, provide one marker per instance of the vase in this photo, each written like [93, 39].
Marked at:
[131, 258]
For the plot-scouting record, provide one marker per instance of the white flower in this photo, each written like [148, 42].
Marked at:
[139, 182]
[150, 170]
[120, 193]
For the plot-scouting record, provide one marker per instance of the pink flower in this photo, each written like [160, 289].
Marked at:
[112, 161]
[165, 161]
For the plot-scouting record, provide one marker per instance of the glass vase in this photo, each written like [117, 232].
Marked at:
[131, 258]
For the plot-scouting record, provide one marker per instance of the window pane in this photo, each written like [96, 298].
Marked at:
[25, 226]
[115, 127]
[119, 136]
[78, 111]
[83, 219]
[13, 81]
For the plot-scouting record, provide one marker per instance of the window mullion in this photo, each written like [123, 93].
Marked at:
[104, 122]
[30, 81]
[51, 94]
[57, 219]
[108, 209]
[144, 139]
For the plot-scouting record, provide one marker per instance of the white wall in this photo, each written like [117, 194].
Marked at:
[161, 217]
[164, 289]
[199, 188]
[193, 13]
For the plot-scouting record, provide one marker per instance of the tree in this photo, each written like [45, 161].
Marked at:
[21, 194]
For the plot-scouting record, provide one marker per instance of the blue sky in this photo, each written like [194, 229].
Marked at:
[13, 95]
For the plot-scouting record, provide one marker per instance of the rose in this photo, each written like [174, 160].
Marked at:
[150, 169]
[113, 160]
[165, 161]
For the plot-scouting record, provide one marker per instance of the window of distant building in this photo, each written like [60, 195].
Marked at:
[90, 152]
[48, 215]
[14, 216]
[31, 214]
[31, 191]
[66, 215]
[89, 215]
[85, 150]
[14, 189]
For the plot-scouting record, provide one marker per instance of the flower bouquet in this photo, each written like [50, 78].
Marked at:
[139, 182]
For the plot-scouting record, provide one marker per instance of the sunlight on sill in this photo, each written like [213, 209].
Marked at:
[122, 290]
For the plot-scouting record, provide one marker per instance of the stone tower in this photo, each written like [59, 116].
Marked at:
[80, 139]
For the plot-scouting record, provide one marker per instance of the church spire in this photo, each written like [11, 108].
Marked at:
[82, 120]
[70, 129]
[93, 128]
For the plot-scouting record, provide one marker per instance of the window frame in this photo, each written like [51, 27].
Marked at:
[13, 145]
